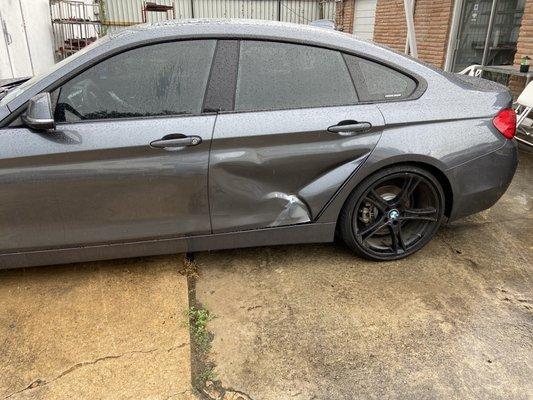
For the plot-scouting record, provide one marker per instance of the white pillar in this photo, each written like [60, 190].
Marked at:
[411, 35]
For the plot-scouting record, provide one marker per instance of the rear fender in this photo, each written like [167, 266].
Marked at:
[440, 145]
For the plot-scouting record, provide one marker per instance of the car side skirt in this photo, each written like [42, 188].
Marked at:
[294, 234]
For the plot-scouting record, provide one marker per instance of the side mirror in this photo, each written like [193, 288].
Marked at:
[39, 113]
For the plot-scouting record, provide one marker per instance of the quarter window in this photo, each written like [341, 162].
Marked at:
[282, 75]
[161, 79]
[378, 82]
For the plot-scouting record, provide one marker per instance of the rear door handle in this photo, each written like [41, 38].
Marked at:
[350, 127]
[176, 140]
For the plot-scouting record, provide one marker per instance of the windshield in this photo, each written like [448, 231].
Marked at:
[17, 90]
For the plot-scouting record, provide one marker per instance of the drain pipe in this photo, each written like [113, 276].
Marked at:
[411, 34]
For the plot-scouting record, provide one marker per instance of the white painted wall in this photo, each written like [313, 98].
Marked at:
[364, 19]
[26, 40]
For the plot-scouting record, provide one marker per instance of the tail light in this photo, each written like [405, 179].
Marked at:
[505, 122]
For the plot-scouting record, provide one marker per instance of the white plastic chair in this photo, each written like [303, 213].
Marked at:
[472, 70]
[523, 106]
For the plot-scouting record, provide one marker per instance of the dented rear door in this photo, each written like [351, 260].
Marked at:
[275, 168]
[289, 132]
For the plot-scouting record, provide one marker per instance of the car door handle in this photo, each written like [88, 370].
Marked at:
[350, 127]
[176, 140]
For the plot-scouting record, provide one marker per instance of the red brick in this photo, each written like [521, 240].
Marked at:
[432, 26]
[344, 13]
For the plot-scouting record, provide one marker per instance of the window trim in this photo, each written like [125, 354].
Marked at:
[421, 83]
[60, 82]
[222, 83]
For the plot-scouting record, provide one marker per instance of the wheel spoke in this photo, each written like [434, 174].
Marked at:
[395, 232]
[421, 214]
[408, 188]
[381, 225]
[370, 230]
[377, 200]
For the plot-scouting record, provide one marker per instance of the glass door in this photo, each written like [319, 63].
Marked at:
[474, 25]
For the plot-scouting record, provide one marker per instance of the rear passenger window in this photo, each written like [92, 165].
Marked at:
[282, 75]
[378, 82]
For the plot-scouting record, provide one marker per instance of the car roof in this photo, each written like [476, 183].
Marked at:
[255, 29]
[239, 28]
[232, 26]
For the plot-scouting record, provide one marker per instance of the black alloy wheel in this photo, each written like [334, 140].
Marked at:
[392, 213]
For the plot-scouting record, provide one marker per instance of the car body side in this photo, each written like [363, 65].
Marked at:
[443, 114]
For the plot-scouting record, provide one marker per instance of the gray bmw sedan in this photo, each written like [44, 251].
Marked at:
[210, 134]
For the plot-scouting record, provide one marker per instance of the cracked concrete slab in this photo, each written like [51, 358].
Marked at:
[104, 330]
[314, 322]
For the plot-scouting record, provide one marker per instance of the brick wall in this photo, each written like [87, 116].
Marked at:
[390, 28]
[524, 46]
[344, 10]
[432, 26]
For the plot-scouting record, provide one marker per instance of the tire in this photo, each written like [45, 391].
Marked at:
[393, 213]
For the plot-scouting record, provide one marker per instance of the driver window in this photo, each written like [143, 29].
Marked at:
[155, 80]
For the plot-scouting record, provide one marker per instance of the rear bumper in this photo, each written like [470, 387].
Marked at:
[478, 184]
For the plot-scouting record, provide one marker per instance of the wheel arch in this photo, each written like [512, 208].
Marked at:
[333, 210]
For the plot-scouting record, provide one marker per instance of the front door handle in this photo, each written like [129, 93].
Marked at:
[175, 141]
[350, 127]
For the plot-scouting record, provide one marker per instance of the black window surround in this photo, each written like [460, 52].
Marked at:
[421, 84]
[220, 91]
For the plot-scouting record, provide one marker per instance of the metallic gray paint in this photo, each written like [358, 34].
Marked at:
[97, 190]
[262, 161]
[99, 182]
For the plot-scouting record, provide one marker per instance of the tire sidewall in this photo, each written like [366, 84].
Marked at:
[349, 208]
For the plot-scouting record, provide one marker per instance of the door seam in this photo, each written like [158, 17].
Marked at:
[208, 174]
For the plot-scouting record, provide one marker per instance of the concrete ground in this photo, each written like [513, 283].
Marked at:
[313, 322]
[108, 330]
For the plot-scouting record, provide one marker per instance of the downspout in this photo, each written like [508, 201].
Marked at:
[412, 3]
[411, 34]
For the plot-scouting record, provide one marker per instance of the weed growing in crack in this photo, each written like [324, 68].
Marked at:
[202, 338]
[205, 381]
[198, 319]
